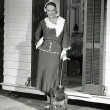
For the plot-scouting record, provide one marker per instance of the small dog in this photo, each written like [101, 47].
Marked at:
[60, 99]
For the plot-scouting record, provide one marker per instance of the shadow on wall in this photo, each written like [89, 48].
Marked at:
[24, 48]
[28, 55]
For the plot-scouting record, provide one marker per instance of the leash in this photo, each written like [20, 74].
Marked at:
[61, 73]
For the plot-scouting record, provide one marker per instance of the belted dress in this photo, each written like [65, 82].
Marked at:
[55, 40]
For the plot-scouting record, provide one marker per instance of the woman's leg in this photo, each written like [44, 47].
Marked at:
[48, 99]
[48, 103]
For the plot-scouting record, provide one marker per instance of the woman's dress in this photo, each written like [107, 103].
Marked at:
[55, 40]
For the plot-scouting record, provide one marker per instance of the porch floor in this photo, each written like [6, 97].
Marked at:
[35, 102]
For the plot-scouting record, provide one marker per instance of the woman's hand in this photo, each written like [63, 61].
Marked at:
[39, 43]
[63, 56]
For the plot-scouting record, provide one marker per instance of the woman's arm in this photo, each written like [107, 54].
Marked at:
[38, 32]
[65, 43]
[65, 40]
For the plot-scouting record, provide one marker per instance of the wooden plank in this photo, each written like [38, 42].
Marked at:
[107, 47]
[17, 65]
[17, 57]
[17, 19]
[107, 39]
[107, 83]
[17, 34]
[18, 3]
[107, 75]
[107, 64]
[18, 27]
[94, 99]
[107, 56]
[18, 11]
[108, 20]
[17, 42]
[107, 29]
[17, 50]
[84, 45]
[17, 72]
[20, 88]
[15, 80]
[108, 8]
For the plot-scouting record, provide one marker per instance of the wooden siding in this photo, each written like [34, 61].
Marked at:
[106, 69]
[17, 41]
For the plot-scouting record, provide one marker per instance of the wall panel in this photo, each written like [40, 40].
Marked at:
[17, 41]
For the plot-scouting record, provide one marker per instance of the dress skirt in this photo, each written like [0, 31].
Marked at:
[47, 71]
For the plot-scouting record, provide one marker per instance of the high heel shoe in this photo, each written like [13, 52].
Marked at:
[47, 106]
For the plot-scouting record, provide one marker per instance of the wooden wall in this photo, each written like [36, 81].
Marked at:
[106, 69]
[17, 41]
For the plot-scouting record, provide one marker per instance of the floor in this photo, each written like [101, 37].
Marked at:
[73, 78]
[36, 102]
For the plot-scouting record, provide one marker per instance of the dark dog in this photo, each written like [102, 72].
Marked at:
[60, 99]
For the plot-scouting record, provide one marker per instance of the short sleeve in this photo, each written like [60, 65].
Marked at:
[66, 39]
[38, 32]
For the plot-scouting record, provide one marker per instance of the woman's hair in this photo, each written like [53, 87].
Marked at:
[49, 3]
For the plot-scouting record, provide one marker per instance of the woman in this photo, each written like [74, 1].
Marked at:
[52, 48]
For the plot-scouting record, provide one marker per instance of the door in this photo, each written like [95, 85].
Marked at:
[37, 15]
[93, 46]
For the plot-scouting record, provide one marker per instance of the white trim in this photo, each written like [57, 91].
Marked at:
[58, 26]
[21, 88]
[71, 94]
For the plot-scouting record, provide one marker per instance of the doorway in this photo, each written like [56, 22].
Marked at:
[72, 70]
[84, 27]
[75, 18]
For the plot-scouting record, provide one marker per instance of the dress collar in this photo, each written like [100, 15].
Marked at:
[58, 26]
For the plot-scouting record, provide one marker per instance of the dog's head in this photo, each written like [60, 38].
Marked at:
[60, 89]
[60, 95]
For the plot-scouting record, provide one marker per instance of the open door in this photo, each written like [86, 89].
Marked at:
[93, 46]
[37, 15]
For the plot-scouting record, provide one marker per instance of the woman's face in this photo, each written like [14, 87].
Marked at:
[51, 10]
